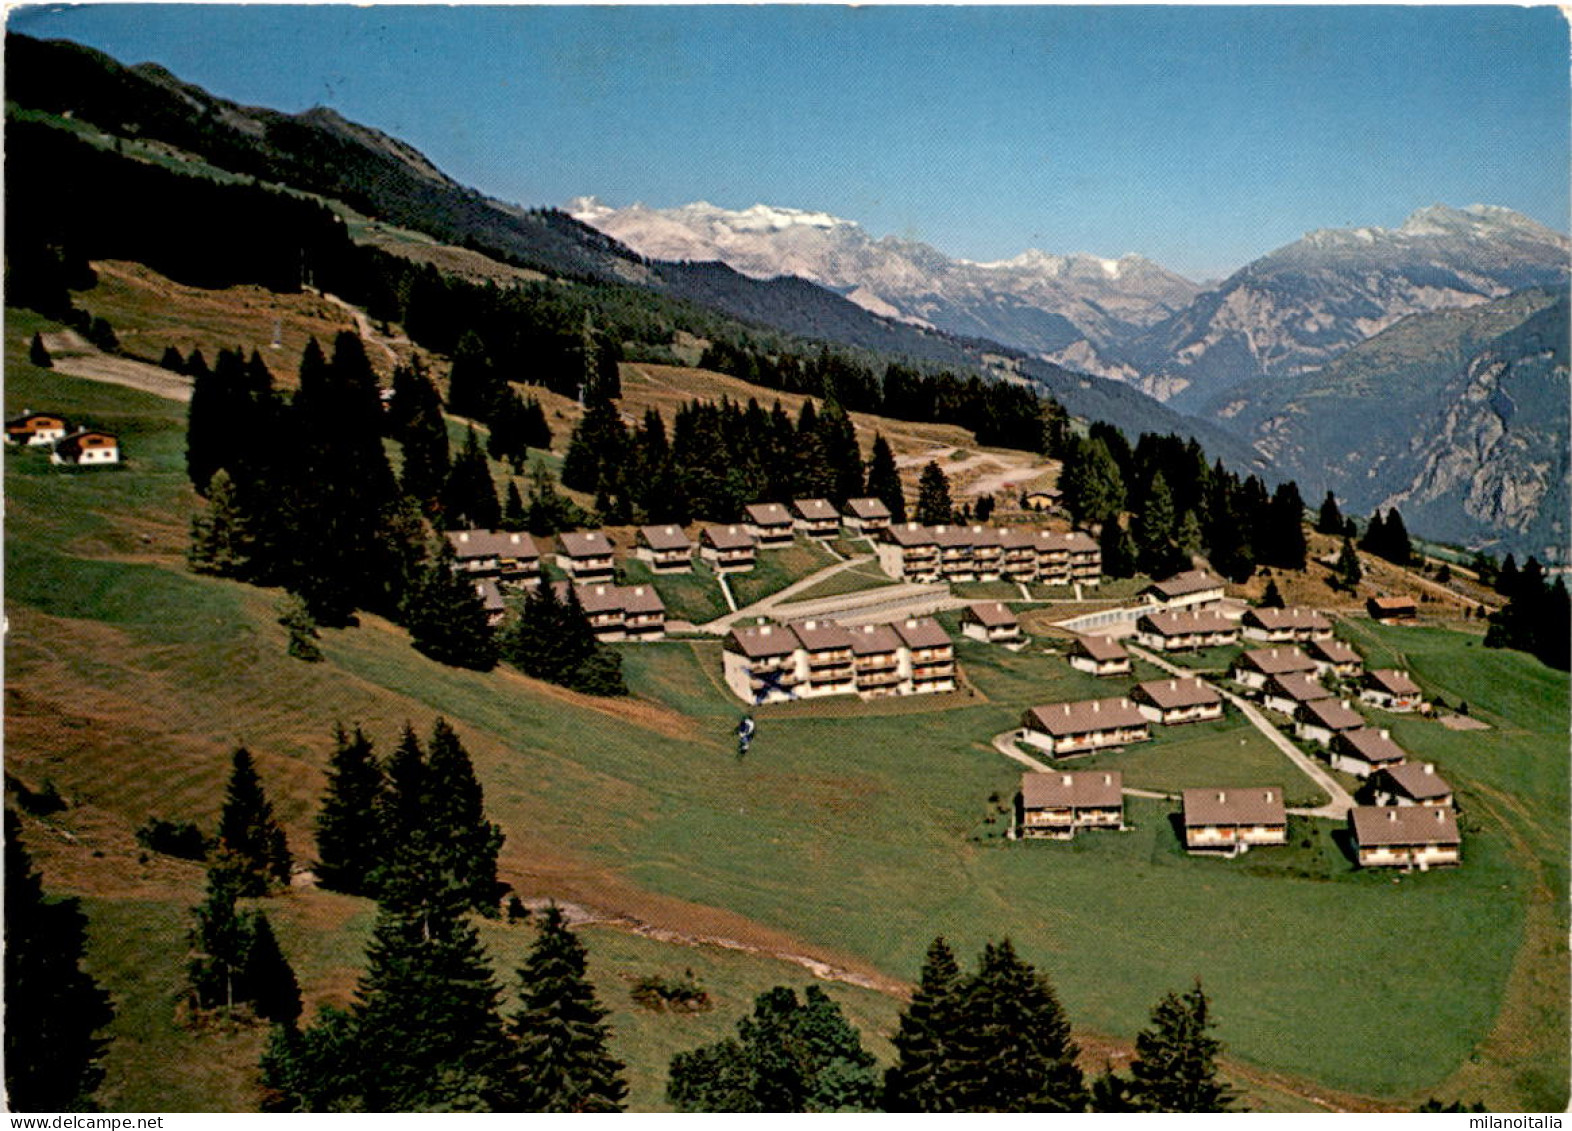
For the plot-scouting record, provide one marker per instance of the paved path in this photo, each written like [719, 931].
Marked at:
[1341, 801]
[722, 625]
[1005, 744]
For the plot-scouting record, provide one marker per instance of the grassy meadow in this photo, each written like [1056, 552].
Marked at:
[848, 834]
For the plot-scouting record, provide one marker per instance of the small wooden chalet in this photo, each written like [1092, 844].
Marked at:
[1185, 631]
[1410, 783]
[1058, 805]
[1285, 626]
[1406, 836]
[1335, 657]
[509, 556]
[1392, 610]
[603, 608]
[1174, 701]
[1392, 690]
[1099, 655]
[666, 548]
[87, 448]
[1364, 751]
[727, 549]
[769, 523]
[1255, 666]
[585, 556]
[1233, 820]
[876, 660]
[827, 650]
[992, 622]
[930, 664]
[1287, 692]
[1080, 728]
[865, 518]
[1192, 589]
[1324, 720]
[909, 552]
[643, 611]
[35, 429]
[815, 518]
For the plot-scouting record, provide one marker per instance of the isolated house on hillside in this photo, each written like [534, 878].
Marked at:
[1406, 836]
[1185, 631]
[865, 517]
[1392, 690]
[35, 429]
[1410, 783]
[666, 548]
[1285, 626]
[992, 622]
[1254, 667]
[1392, 610]
[1058, 805]
[1083, 727]
[1099, 655]
[727, 549]
[86, 448]
[1323, 720]
[586, 556]
[1233, 819]
[1364, 751]
[769, 523]
[1174, 701]
[1335, 657]
[1192, 589]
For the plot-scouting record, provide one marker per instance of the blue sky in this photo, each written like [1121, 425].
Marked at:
[1201, 137]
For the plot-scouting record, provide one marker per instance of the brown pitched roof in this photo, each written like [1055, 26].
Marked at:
[910, 534]
[1183, 584]
[1392, 604]
[665, 538]
[726, 537]
[1332, 714]
[490, 595]
[867, 508]
[599, 598]
[1184, 623]
[1275, 619]
[73, 444]
[468, 544]
[1374, 746]
[1173, 693]
[921, 632]
[1392, 681]
[1015, 537]
[874, 640]
[1080, 542]
[767, 514]
[1380, 825]
[1275, 661]
[1099, 647]
[992, 614]
[1088, 789]
[1297, 686]
[1421, 782]
[821, 635]
[585, 544]
[641, 599]
[986, 536]
[814, 510]
[761, 640]
[953, 536]
[1087, 715]
[1233, 805]
[1333, 652]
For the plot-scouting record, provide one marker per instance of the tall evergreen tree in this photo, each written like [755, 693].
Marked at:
[38, 353]
[1154, 529]
[219, 937]
[1118, 549]
[1284, 545]
[474, 382]
[1329, 520]
[221, 541]
[469, 497]
[1347, 573]
[595, 447]
[455, 812]
[1092, 483]
[884, 480]
[422, 433]
[251, 842]
[446, 616]
[919, 1080]
[53, 1009]
[268, 978]
[562, 1059]
[842, 456]
[1175, 1065]
[933, 496]
[350, 837]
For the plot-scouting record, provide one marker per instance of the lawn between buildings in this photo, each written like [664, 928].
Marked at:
[131, 680]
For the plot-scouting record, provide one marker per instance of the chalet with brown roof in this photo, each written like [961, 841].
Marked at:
[1099, 655]
[1363, 751]
[727, 549]
[585, 556]
[930, 654]
[1285, 626]
[1335, 657]
[987, 553]
[1185, 631]
[955, 553]
[1232, 820]
[992, 622]
[1392, 610]
[1042, 500]
[643, 611]
[1410, 783]
[491, 598]
[35, 429]
[1066, 557]
[827, 658]
[1063, 729]
[909, 551]
[509, 556]
[876, 661]
[1285, 693]
[815, 518]
[620, 612]
[1058, 805]
[1406, 836]
[1192, 589]
[1018, 553]
[865, 518]
[760, 665]
[667, 548]
[769, 523]
[1174, 701]
[1392, 690]
[87, 448]
[1255, 666]
[1324, 720]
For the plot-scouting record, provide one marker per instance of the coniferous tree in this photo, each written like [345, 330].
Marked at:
[251, 842]
[422, 433]
[1091, 482]
[1011, 1050]
[221, 541]
[446, 616]
[1154, 528]
[295, 615]
[473, 383]
[469, 497]
[1272, 598]
[1118, 550]
[268, 979]
[1330, 519]
[933, 496]
[172, 360]
[455, 812]
[1347, 573]
[1189, 537]
[1399, 550]
[1175, 1066]
[842, 456]
[514, 517]
[220, 938]
[38, 353]
[562, 1059]
[596, 445]
[919, 1080]
[508, 441]
[52, 1008]
[1284, 545]
[350, 837]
